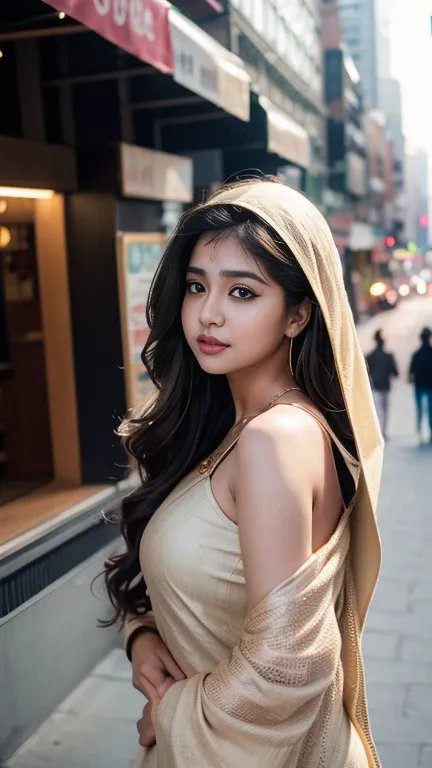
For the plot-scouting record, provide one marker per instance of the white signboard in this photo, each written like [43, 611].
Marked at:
[205, 67]
[285, 137]
[146, 173]
[195, 66]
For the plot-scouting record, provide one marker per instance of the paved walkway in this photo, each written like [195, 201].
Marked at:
[95, 727]
[398, 639]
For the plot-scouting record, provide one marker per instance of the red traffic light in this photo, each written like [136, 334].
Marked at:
[390, 241]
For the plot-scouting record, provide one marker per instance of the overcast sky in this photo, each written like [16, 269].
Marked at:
[411, 63]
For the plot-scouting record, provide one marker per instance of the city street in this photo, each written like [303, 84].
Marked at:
[116, 118]
[398, 639]
[95, 727]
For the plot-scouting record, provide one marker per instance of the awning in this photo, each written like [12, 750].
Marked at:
[199, 8]
[141, 28]
[205, 67]
[151, 175]
[285, 137]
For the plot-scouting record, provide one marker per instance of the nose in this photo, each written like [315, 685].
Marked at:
[210, 312]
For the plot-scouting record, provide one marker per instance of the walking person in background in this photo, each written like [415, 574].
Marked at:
[420, 374]
[382, 369]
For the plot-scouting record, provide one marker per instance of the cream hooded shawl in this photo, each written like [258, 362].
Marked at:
[276, 702]
[302, 227]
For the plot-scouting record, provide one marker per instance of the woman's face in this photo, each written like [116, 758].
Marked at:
[234, 316]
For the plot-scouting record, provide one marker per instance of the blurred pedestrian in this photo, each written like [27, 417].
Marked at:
[382, 369]
[420, 374]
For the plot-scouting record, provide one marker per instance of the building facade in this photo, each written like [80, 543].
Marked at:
[346, 142]
[378, 161]
[417, 193]
[281, 46]
[391, 102]
[114, 120]
[101, 107]
[359, 29]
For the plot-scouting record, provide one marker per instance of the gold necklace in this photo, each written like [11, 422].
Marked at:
[207, 464]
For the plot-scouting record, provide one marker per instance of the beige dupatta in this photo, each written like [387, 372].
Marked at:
[276, 702]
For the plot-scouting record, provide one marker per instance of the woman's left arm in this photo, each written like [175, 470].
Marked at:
[257, 705]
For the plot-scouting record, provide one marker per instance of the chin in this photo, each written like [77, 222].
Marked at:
[212, 365]
[215, 364]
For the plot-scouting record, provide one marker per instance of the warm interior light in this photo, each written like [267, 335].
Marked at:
[5, 237]
[36, 194]
[61, 15]
[1, 54]
[3, 206]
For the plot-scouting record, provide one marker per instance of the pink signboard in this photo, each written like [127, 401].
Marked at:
[140, 27]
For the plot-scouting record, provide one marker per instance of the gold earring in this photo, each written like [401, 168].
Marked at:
[290, 358]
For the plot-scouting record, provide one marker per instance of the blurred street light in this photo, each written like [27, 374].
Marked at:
[377, 289]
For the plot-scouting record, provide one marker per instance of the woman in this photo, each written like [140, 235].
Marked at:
[252, 548]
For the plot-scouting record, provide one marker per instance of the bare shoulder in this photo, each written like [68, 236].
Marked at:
[287, 426]
[284, 444]
[276, 478]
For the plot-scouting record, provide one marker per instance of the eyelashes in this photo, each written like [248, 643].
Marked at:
[241, 288]
[193, 286]
[243, 293]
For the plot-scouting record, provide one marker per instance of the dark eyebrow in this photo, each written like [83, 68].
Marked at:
[236, 273]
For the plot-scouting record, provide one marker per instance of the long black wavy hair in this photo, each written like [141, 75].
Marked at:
[192, 411]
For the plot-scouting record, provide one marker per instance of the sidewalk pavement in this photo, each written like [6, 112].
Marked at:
[95, 726]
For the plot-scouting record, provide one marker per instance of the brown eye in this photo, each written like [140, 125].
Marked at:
[241, 292]
[194, 286]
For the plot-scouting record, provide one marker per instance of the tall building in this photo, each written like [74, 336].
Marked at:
[280, 44]
[358, 19]
[417, 193]
[377, 149]
[346, 143]
[391, 104]
[383, 10]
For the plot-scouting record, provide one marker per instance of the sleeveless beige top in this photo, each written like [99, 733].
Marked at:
[263, 690]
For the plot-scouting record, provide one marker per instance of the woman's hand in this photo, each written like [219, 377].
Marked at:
[154, 670]
[146, 729]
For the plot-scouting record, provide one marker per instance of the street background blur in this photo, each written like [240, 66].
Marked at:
[116, 116]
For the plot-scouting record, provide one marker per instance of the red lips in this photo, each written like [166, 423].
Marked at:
[203, 339]
[210, 345]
